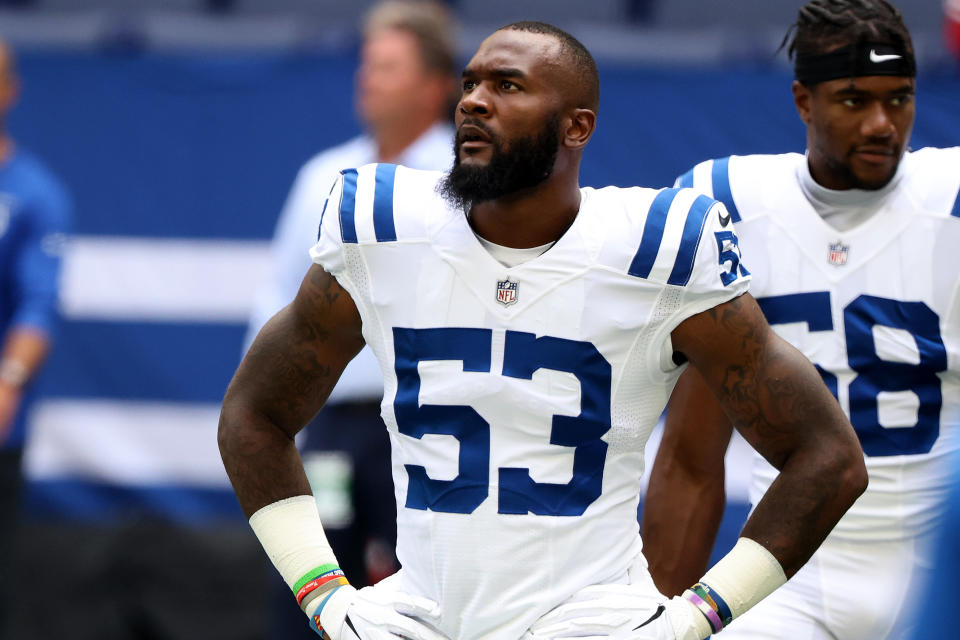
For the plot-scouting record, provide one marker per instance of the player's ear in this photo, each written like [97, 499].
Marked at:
[802, 98]
[579, 128]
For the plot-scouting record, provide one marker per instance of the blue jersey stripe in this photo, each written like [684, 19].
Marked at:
[686, 180]
[721, 187]
[348, 206]
[692, 230]
[383, 203]
[652, 234]
[956, 205]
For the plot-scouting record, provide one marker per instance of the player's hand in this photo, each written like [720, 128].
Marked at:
[379, 613]
[619, 611]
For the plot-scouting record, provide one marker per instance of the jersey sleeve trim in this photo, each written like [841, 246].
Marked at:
[357, 186]
[348, 206]
[323, 211]
[652, 236]
[720, 176]
[956, 206]
[692, 232]
[383, 224]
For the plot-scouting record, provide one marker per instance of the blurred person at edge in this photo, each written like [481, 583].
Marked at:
[34, 214]
[406, 87]
[935, 617]
[951, 26]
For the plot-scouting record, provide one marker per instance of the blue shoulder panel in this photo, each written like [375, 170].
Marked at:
[721, 186]
[692, 230]
[686, 180]
[652, 233]
[383, 203]
[348, 206]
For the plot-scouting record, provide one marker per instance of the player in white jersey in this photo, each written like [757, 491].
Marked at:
[854, 253]
[529, 333]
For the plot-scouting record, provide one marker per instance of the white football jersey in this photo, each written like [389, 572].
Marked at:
[875, 307]
[519, 400]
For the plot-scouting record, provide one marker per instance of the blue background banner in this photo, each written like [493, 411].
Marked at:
[180, 147]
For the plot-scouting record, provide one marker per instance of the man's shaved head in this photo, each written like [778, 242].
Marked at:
[585, 84]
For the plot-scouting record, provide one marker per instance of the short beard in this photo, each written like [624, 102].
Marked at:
[526, 163]
[845, 174]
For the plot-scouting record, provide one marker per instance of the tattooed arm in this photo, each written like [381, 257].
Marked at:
[777, 401]
[283, 381]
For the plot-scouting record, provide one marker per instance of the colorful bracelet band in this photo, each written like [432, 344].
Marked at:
[316, 572]
[330, 579]
[714, 600]
[317, 582]
[712, 618]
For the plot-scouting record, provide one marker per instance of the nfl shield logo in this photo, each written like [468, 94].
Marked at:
[507, 292]
[838, 253]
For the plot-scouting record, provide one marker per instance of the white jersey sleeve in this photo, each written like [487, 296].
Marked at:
[328, 250]
[689, 246]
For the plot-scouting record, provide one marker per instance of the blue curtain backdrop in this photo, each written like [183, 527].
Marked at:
[157, 147]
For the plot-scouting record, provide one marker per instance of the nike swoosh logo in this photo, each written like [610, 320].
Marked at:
[876, 57]
[656, 615]
[724, 220]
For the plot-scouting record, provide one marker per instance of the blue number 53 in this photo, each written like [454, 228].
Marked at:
[524, 354]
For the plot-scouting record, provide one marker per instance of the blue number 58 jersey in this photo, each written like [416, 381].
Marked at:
[876, 308]
[519, 400]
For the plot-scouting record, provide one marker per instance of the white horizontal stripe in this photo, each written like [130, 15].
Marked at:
[143, 279]
[144, 443]
[126, 443]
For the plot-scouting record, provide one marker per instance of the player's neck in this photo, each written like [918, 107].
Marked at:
[393, 140]
[530, 218]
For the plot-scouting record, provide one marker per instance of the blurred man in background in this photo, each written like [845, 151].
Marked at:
[405, 90]
[853, 249]
[34, 214]
[951, 26]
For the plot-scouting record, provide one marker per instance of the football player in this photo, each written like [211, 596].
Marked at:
[529, 332]
[853, 249]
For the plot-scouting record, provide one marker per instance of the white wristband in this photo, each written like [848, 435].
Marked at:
[745, 576]
[291, 534]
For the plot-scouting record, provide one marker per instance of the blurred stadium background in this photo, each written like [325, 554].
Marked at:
[178, 126]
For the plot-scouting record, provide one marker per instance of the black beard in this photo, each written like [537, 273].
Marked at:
[523, 165]
[845, 174]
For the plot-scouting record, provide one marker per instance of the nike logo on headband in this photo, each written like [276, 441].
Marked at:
[876, 57]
